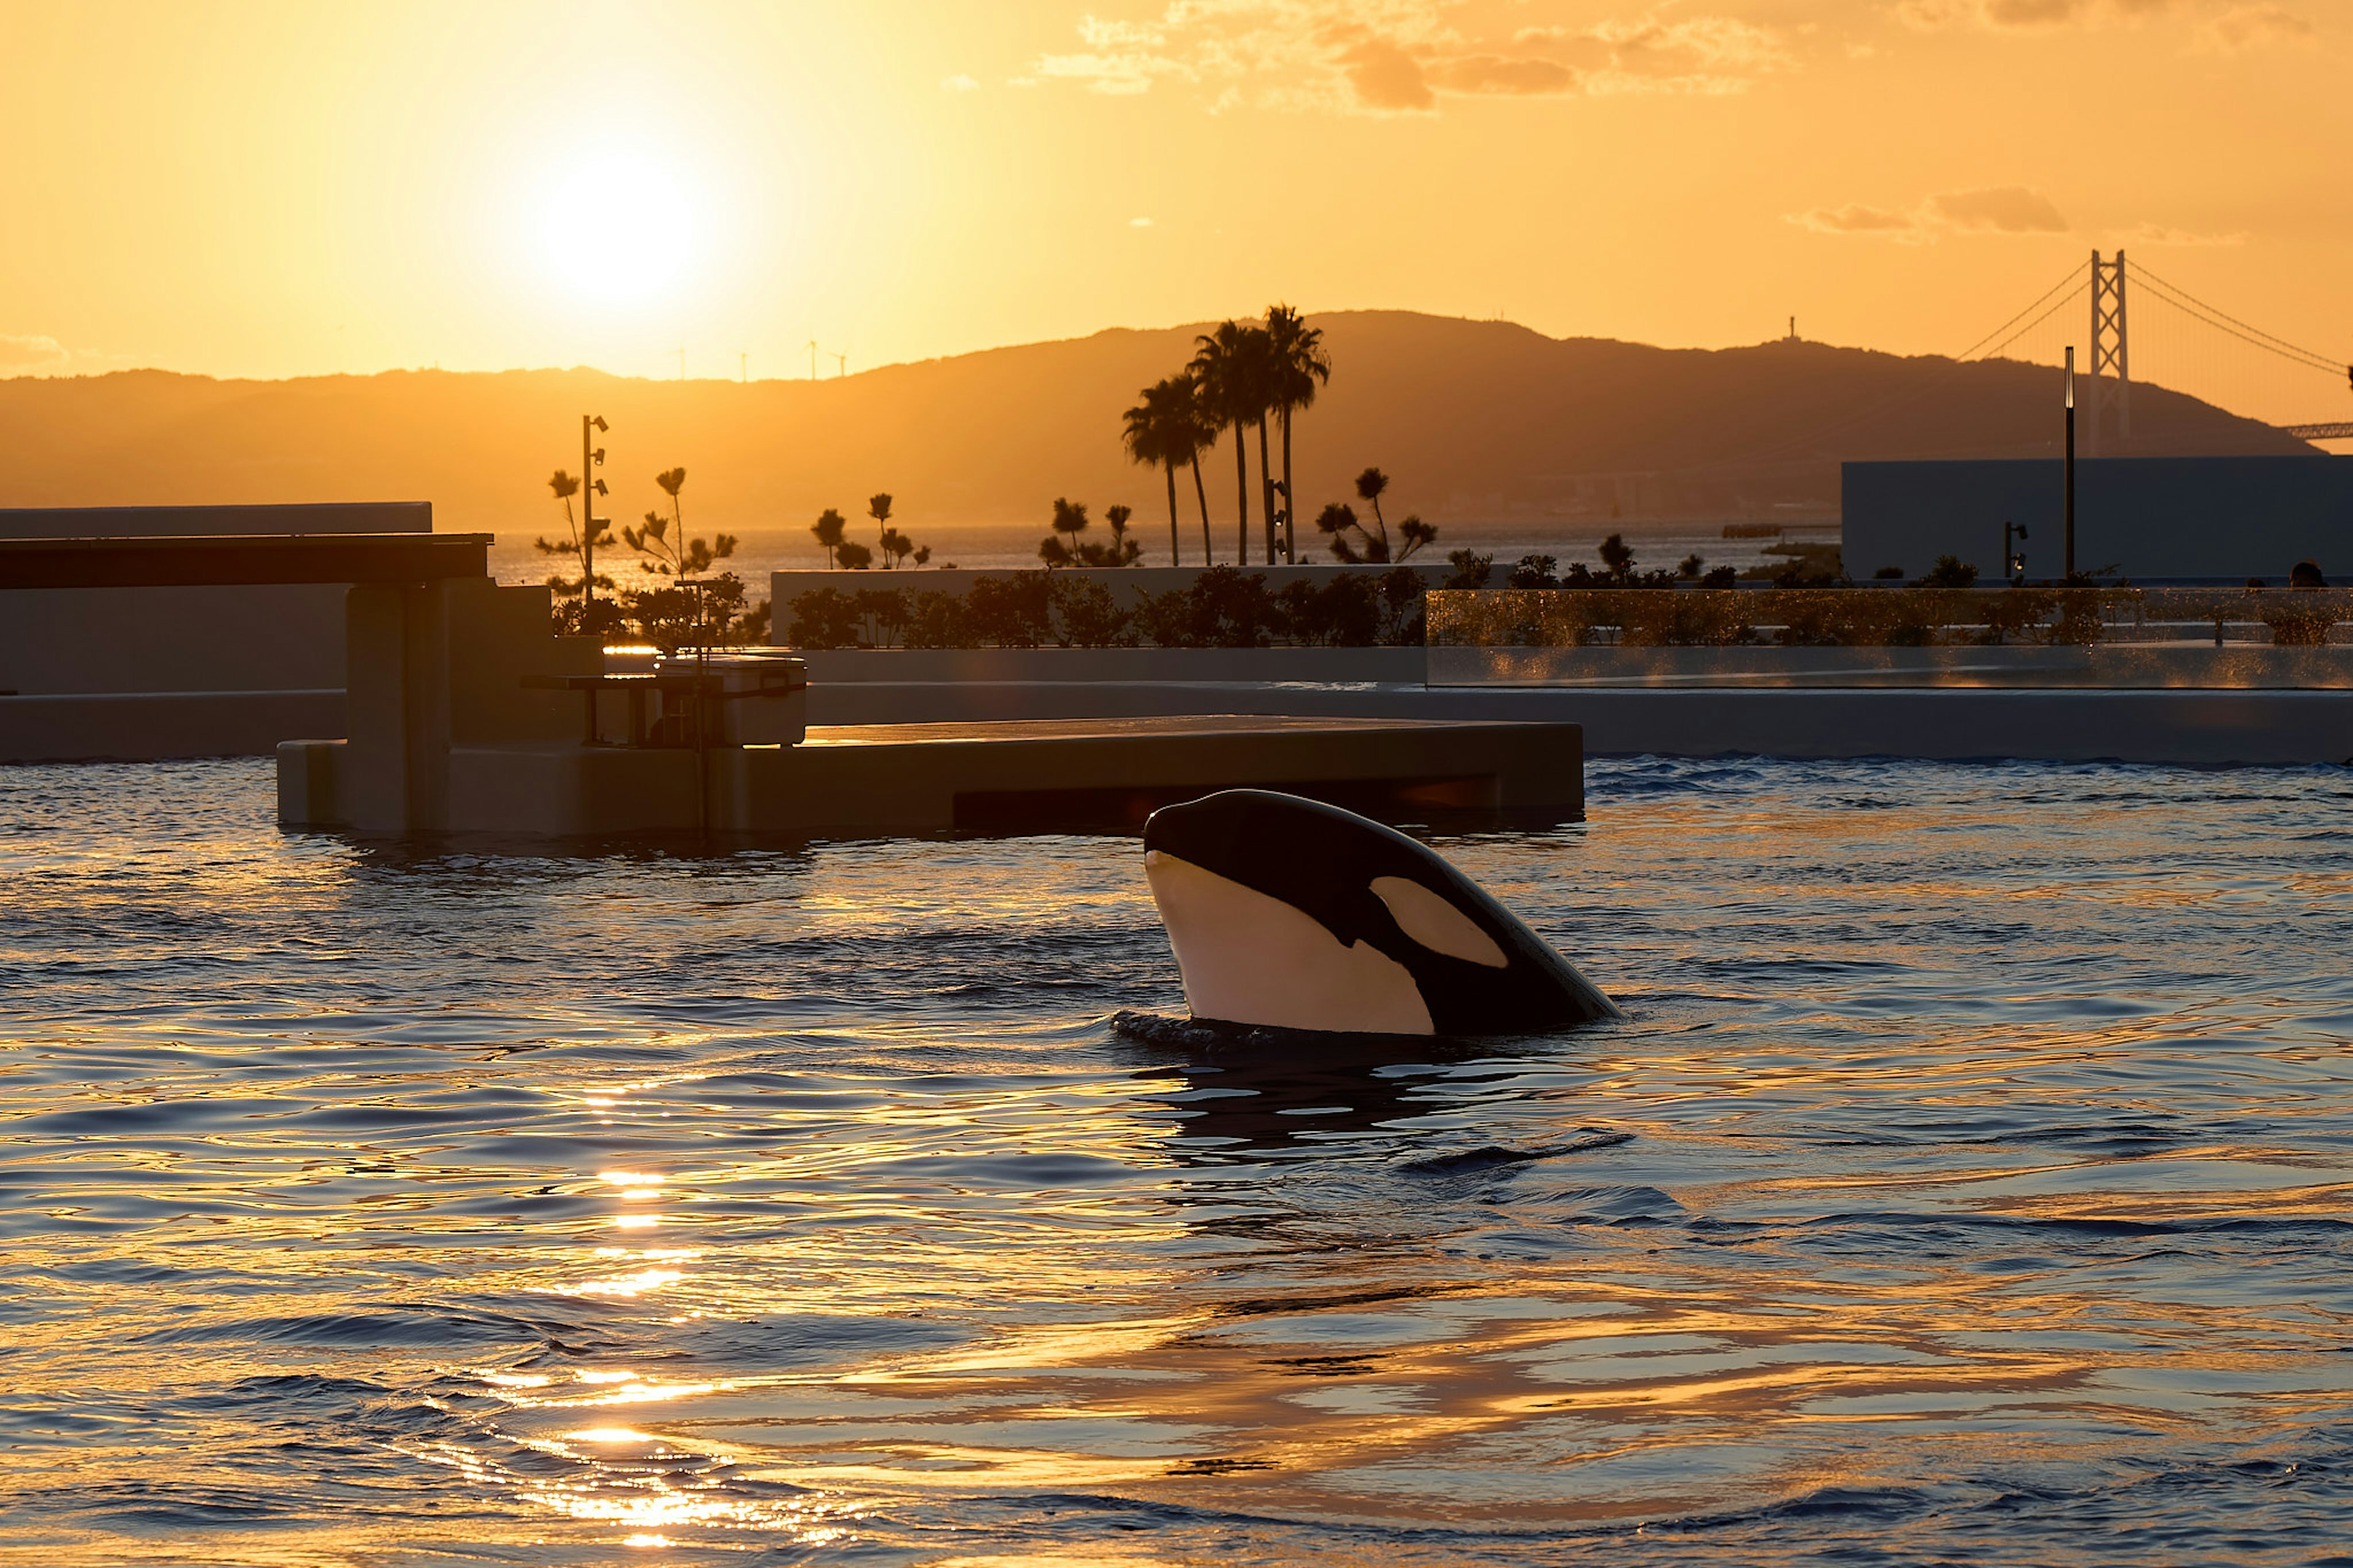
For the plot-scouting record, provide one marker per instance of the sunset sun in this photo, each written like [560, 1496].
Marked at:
[624, 228]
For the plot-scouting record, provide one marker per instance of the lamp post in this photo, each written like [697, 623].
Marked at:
[592, 457]
[2067, 549]
[2013, 560]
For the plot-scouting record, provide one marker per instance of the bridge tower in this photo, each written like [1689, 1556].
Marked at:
[2111, 357]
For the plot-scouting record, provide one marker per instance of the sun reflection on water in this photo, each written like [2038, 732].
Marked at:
[1985, 1149]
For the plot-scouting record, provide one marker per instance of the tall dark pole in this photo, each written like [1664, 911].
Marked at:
[587, 531]
[591, 487]
[2068, 552]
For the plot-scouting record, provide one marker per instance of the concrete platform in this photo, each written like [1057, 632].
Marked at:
[2197, 728]
[1001, 776]
[149, 726]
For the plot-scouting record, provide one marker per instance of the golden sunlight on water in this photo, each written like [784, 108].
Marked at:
[1971, 1169]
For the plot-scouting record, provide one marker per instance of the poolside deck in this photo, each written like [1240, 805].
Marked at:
[1001, 775]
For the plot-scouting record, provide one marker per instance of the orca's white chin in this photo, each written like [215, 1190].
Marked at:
[1248, 958]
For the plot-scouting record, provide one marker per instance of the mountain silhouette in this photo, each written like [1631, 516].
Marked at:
[1473, 420]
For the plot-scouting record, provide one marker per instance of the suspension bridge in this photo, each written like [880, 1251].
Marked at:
[2199, 348]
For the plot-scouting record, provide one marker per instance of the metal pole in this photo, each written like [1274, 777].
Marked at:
[2092, 436]
[2068, 551]
[587, 531]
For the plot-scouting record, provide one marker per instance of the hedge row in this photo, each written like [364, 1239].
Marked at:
[1864, 617]
[1224, 607]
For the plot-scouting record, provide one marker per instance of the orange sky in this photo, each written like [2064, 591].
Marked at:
[280, 189]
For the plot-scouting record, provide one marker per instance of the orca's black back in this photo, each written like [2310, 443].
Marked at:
[1322, 860]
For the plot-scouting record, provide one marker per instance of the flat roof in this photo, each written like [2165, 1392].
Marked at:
[274, 517]
[241, 559]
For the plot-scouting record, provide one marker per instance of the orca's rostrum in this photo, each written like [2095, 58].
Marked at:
[1288, 913]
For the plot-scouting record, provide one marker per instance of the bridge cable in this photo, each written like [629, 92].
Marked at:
[2056, 307]
[2074, 279]
[2182, 299]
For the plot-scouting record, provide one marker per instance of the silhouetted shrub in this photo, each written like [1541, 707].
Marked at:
[1536, 571]
[1231, 610]
[1344, 612]
[1015, 611]
[1470, 570]
[1847, 617]
[1090, 614]
[938, 620]
[1224, 606]
[882, 616]
[825, 617]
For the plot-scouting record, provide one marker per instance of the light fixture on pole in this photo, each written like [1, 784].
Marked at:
[2067, 549]
[592, 457]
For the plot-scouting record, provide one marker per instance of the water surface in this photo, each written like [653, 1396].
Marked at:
[1968, 1184]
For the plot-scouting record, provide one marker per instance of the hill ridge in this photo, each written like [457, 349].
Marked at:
[1475, 420]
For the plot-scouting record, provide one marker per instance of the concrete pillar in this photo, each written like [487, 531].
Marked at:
[396, 660]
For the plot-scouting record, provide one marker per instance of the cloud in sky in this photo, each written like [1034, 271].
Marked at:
[19, 353]
[1856, 218]
[2004, 209]
[2000, 209]
[960, 84]
[2251, 27]
[2008, 209]
[2160, 233]
[2010, 15]
[1392, 56]
[2228, 26]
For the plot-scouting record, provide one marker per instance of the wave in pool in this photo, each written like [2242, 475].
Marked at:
[1968, 1183]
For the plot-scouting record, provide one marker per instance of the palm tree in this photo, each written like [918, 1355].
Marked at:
[1124, 551]
[829, 527]
[574, 616]
[1143, 433]
[878, 507]
[566, 487]
[1164, 431]
[1261, 393]
[1061, 548]
[1298, 366]
[1201, 435]
[1370, 486]
[1230, 366]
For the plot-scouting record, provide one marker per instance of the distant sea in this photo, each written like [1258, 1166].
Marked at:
[1013, 546]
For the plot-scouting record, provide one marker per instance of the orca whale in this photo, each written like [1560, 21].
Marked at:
[1288, 913]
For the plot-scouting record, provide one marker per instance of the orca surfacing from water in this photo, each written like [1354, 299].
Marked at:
[1288, 913]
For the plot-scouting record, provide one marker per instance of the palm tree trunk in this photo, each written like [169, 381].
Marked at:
[1290, 497]
[1174, 558]
[1201, 494]
[1241, 488]
[1266, 488]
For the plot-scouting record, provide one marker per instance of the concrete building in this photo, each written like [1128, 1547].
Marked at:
[177, 671]
[2153, 519]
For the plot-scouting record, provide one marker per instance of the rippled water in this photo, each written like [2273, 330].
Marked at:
[1967, 1186]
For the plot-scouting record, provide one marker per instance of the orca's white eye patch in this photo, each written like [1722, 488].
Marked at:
[1437, 925]
[1249, 958]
